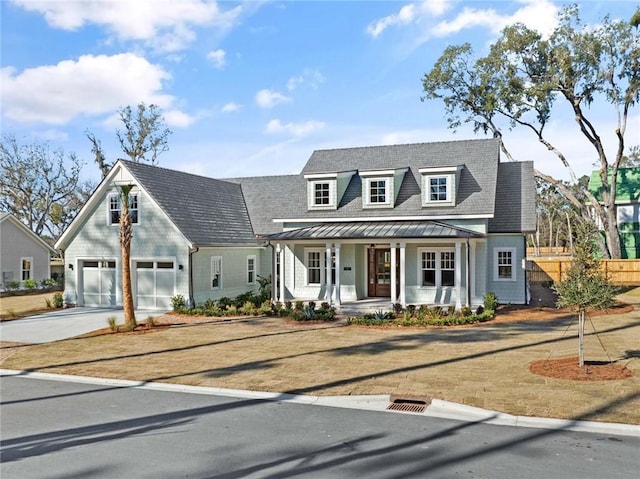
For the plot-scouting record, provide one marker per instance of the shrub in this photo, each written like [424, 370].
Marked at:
[382, 315]
[267, 307]
[48, 283]
[312, 305]
[299, 306]
[325, 306]
[12, 285]
[178, 302]
[150, 322]
[248, 308]
[224, 302]
[490, 301]
[58, 299]
[287, 305]
[397, 308]
[112, 323]
[47, 301]
[30, 284]
[466, 311]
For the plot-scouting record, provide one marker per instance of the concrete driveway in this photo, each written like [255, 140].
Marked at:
[61, 324]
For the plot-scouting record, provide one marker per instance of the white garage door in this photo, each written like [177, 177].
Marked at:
[155, 284]
[98, 283]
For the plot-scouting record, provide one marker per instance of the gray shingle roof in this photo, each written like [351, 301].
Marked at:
[515, 199]
[285, 197]
[207, 211]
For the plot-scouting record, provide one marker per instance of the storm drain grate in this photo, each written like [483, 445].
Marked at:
[408, 405]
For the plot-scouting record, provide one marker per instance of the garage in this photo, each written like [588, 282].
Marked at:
[154, 284]
[98, 282]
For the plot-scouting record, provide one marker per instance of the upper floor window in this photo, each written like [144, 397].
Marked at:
[438, 188]
[439, 185]
[321, 193]
[378, 191]
[115, 208]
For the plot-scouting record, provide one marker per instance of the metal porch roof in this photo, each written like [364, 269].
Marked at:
[374, 229]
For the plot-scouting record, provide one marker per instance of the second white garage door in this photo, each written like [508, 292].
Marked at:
[155, 284]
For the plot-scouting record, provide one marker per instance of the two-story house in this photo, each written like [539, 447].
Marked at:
[432, 223]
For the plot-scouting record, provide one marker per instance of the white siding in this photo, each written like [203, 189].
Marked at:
[14, 245]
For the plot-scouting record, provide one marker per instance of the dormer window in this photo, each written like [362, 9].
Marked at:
[439, 188]
[321, 193]
[378, 192]
[380, 187]
[439, 185]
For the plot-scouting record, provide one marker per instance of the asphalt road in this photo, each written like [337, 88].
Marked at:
[55, 429]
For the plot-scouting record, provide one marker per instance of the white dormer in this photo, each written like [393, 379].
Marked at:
[380, 187]
[439, 185]
[325, 190]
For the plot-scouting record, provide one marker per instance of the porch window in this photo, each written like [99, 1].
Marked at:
[216, 272]
[503, 261]
[26, 266]
[251, 269]
[115, 208]
[314, 267]
[437, 268]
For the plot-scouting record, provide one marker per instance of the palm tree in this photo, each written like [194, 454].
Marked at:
[126, 234]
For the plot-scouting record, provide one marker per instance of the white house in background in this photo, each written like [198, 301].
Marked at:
[431, 223]
[23, 255]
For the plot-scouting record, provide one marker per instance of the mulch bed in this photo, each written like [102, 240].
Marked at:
[568, 368]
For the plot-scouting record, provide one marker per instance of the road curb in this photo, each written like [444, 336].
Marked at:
[438, 408]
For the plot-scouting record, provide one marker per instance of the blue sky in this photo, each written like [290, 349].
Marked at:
[252, 88]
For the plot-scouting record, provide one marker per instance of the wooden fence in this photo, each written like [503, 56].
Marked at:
[620, 271]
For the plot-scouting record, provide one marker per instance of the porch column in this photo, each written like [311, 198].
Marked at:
[327, 275]
[394, 293]
[274, 274]
[280, 251]
[403, 296]
[337, 251]
[458, 275]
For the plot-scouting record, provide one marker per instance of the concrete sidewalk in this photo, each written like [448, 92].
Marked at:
[61, 324]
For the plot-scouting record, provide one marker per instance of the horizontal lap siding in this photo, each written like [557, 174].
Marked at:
[506, 291]
[16, 244]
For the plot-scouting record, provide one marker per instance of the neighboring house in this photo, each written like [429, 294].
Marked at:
[627, 207]
[23, 255]
[433, 223]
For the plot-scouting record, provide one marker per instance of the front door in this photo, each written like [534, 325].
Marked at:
[380, 272]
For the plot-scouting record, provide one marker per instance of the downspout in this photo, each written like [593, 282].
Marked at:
[191, 298]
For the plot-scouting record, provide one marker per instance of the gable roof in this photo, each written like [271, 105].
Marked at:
[9, 217]
[209, 211]
[627, 186]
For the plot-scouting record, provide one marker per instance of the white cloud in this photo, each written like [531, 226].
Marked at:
[312, 78]
[295, 129]
[178, 118]
[166, 25]
[230, 107]
[408, 14]
[217, 57]
[268, 98]
[92, 85]
[538, 15]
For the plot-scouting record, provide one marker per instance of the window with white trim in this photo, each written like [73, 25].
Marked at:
[26, 268]
[439, 186]
[504, 264]
[439, 190]
[251, 269]
[322, 193]
[378, 191]
[216, 272]
[314, 266]
[115, 208]
[437, 268]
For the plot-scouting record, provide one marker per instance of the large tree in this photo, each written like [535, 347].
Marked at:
[40, 186]
[526, 78]
[143, 138]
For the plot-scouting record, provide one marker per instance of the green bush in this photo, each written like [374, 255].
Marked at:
[490, 301]
[224, 302]
[299, 306]
[178, 302]
[423, 317]
[30, 284]
[58, 300]
[48, 283]
[12, 285]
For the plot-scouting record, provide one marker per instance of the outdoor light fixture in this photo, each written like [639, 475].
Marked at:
[70, 266]
[180, 267]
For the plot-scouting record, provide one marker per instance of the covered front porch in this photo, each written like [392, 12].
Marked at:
[373, 265]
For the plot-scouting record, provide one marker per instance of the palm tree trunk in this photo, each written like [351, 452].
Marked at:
[126, 233]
